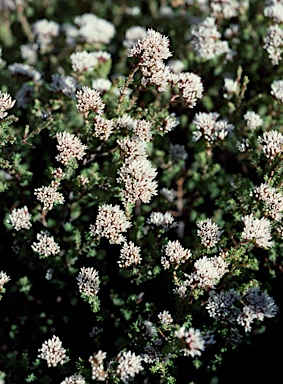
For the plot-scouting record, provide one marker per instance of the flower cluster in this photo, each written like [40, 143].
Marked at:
[209, 128]
[209, 233]
[4, 278]
[53, 352]
[6, 103]
[206, 40]
[44, 31]
[129, 255]
[89, 100]
[193, 340]
[272, 198]
[233, 308]
[69, 147]
[45, 245]
[164, 220]
[93, 29]
[257, 230]
[68, 85]
[208, 272]
[74, 379]
[151, 51]
[49, 196]
[111, 222]
[129, 364]
[137, 176]
[174, 254]
[253, 120]
[19, 218]
[272, 143]
[273, 43]
[88, 281]
[97, 369]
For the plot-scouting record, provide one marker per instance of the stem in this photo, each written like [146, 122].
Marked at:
[25, 25]
[128, 81]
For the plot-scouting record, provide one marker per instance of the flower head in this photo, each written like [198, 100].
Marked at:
[19, 218]
[129, 364]
[110, 222]
[45, 245]
[257, 230]
[6, 103]
[88, 281]
[53, 352]
[69, 147]
[129, 255]
[89, 100]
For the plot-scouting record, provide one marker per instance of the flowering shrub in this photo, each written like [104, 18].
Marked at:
[141, 187]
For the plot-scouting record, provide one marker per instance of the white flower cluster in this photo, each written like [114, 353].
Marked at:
[165, 318]
[272, 143]
[101, 85]
[19, 218]
[48, 196]
[149, 329]
[174, 254]
[195, 343]
[29, 52]
[102, 127]
[111, 221]
[45, 245]
[189, 85]
[93, 29]
[272, 198]
[231, 307]
[129, 255]
[137, 176]
[209, 233]
[207, 41]
[74, 379]
[243, 145]
[226, 8]
[209, 128]
[257, 230]
[88, 281]
[133, 35]
[89, 100]
[83, 61]
[44, 30]
[69, 147]
[152, 50]
[253, 120]
[53, 352]
[277, 88]
[273, 43]
[164, 220]
[129, 364]
[4, 278]
[68, 85]
[231, 87]
[274, 11]
[208, 272]
[97, 370]
[6, 103]
[132, 147]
